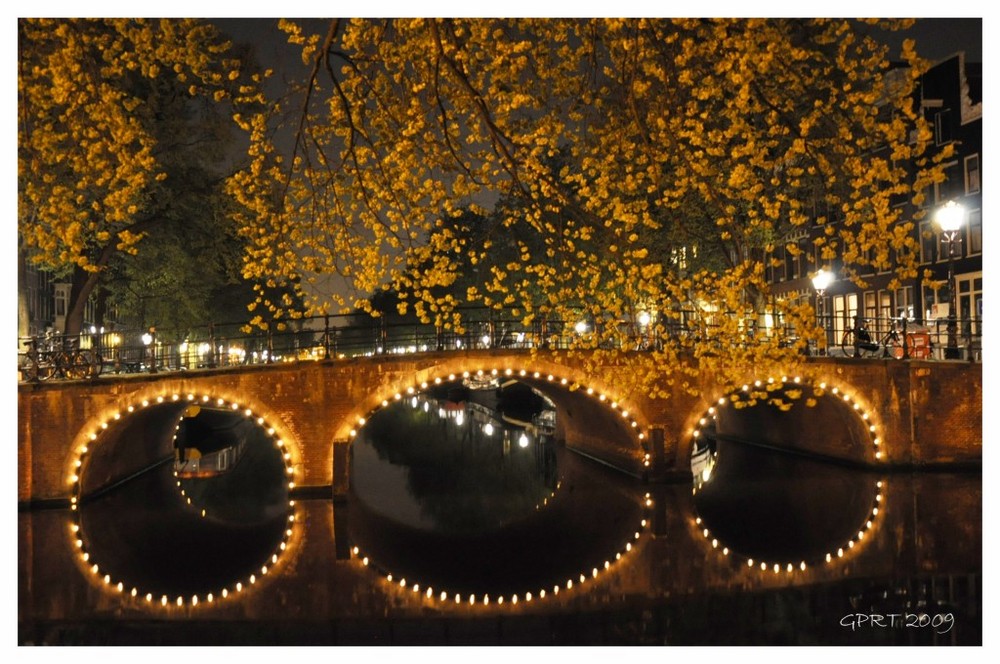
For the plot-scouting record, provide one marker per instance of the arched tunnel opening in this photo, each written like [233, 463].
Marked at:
[179, 499]
[811, 420]
[779, 477]
[468, 487]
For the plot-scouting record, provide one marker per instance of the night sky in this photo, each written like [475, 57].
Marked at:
[937, 38]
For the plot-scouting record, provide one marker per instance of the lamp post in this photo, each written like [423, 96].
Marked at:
[950, 218]
[149, 339]
[644, 320]
[821, 281]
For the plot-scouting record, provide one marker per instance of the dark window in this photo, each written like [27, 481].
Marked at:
[942, 126]
[972, 174]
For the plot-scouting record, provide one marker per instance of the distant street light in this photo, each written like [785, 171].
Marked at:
[147, 339]
[821, 281]
[950, 218]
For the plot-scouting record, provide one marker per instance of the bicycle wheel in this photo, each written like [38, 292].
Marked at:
[849, 344]
[75, 365]
[894, 346]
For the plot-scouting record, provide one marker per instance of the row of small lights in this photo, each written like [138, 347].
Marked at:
[483, 599]
[180, 486]
[789, 567]
[413, 389]
[164, 600]
[771, 383]
[546, 499]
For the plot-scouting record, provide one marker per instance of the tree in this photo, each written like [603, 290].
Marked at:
[623, 142]
[94, 100]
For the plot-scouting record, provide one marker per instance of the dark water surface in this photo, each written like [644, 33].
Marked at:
[471, 494]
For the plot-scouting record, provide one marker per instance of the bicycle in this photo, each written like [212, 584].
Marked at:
[69, 362]
[857, 341]
[36, 364]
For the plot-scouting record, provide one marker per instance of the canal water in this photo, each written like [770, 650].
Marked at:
[469, 521]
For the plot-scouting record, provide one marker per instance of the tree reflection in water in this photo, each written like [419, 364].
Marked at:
[460, 464]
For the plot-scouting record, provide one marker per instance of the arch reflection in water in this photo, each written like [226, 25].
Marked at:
[777, 511]
[155, 526]
[466, 492]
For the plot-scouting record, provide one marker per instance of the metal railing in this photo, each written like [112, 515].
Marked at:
[330, 337]
[902, 338]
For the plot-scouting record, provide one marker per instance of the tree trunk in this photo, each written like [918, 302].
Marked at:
[83, 285]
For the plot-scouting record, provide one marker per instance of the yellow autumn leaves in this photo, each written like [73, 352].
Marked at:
[646, 165]
[625, 144]
[86, 148]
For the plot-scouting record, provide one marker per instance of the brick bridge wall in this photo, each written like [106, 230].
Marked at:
[923, 412]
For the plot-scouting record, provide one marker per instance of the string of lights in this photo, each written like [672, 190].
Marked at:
[410, 390]
[746, 395]
[446, 598]
[106, 580]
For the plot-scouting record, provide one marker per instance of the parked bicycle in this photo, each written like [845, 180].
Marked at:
[858, 341]
[45, 359]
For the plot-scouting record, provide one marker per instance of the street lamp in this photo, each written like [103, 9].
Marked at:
[149, 338]
[645, 332]
[950, 218]
[821, 281]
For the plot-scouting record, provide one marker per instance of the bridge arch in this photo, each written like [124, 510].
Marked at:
[99, 436]
[776, 409]
[576, 396]
[95, 432]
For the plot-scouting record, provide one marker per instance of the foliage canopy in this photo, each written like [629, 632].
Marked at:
[648, 165]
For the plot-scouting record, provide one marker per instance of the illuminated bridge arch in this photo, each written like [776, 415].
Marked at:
[807, 416]
[590, 417]
[96, 448]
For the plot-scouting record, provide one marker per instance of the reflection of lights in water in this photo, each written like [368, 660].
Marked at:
[523, 440]
[413, 402]
[460, 418]
[801, 565]
[585, 577]
[488, 429]
[442, 413]
[703, 463]
[427, 407]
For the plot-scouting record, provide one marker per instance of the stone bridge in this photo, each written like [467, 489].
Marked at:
[881, 413]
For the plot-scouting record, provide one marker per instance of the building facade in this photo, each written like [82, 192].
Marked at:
[950, 97]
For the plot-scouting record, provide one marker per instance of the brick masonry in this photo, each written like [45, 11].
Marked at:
[925, 413]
